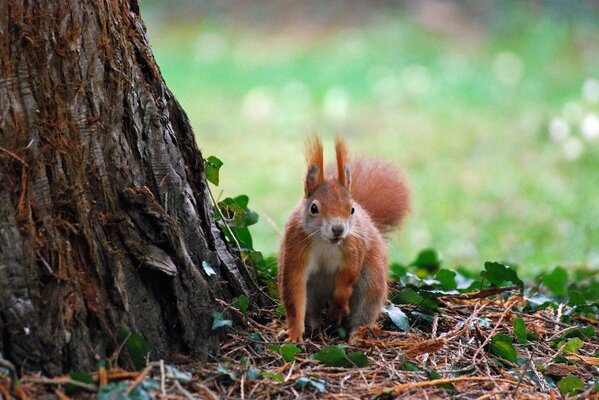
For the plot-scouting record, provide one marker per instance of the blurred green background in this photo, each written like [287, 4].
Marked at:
[490, 108]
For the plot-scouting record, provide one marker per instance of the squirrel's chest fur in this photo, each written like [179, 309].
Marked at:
[324, 258]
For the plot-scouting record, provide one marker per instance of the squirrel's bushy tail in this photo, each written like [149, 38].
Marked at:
[381, 190]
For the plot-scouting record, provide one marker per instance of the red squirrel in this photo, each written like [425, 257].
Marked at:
[333, 256]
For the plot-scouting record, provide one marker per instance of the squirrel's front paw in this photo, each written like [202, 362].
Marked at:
[294, 335]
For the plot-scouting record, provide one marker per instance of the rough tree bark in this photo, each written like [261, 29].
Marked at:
[104, 215]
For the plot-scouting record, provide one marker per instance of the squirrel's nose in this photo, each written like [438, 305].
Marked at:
[338, 229]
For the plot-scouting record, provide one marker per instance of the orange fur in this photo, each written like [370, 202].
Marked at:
[347, 275]
[314, 157]
[380, 189]
[342, 161]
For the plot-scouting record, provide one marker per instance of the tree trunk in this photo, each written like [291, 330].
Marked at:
[105, 217]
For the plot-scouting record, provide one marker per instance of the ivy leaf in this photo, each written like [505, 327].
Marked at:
[497, 273]
[252, 374]
[137, 347]
[212, 167]
[273, 375]
[358, 359]
[502, 346]
[318, 384]
[556, 281]
[570, 384]
[575, 298]
[208, 268]
[72, 389]
[335, 356]
[288, 351]
[223, 370]
[520, 330]
[447, 278]
[433, 374]
[397, 270]
[398, 317]
[220, 321]
[146, 390]
[242, 303]
[427, 259]
[573, 345]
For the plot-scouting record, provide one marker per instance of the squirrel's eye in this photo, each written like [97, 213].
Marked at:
[353, 210]
[314, 208]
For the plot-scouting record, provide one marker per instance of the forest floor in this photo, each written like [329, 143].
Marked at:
[463, 351]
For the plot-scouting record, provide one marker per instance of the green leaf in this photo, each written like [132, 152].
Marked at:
[212, 166]
[573, 345]
[520, 330]
[427, 259]
[244, 238]
[223, 370]
[407, 295]
[220, 321]
[71, 389]
[570, 384]
[502, 346]
[433, 374]
[333, 356]
[575, 298]
[589, 331]
[137, 347]
[497, 273]
[252, 374]
[398, 317]
[146, 390]
[447, 278]
[273, 375]
[288, 351]
[358, 359]
[397, 270]
[556, 281]
[242, 303]
[302, 382]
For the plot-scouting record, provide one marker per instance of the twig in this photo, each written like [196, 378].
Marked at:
[488, 338]
[140, 378]
[413, 385]
[59, 393]
[222, 217]
[13, 155]
[524, 369]
[181, 389]
[206, 390]
[59, 381]
[162, 388]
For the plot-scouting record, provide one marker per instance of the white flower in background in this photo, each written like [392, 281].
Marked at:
[590, 90]
[559, 129]
[258, 104]
[210, 47]
[508, 68]
[573, 148]
[590, 127]
[336, 103]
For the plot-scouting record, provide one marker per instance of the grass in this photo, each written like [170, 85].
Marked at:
[464, 113]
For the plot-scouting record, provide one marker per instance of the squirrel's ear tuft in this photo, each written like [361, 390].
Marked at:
[315, 175]
[342, 162]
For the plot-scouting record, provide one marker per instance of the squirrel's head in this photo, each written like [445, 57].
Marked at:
[328, 206]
